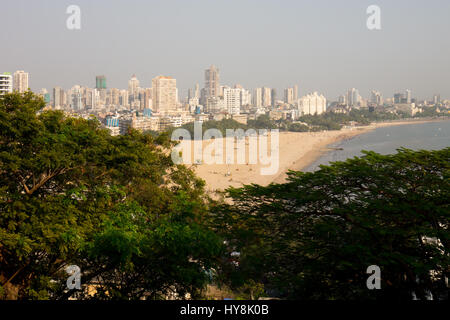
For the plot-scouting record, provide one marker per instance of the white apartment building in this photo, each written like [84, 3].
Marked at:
[289, 96]
[21, 81]
[232, 99]
[266, 97]
[6, 83]
[312, 103]
[257, 98]
[164, 98]
[76, 95]
[353, 97]
[246, 97]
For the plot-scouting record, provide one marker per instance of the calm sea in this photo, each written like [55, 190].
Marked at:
[423, 136]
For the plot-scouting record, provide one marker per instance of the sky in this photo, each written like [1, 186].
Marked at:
[320, 45]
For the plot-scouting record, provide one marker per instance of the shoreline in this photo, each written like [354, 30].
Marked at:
[309, 146]
[314, 155]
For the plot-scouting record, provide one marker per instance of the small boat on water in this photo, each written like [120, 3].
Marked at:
[331, 148]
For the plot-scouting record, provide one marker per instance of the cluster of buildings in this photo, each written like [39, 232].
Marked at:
[158, 107]
[17, 81]
[400, 102]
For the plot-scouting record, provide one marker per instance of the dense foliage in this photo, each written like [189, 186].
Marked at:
[315, 236]
[117, 207]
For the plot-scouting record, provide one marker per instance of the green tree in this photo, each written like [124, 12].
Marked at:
[314, 236]
[71, 194]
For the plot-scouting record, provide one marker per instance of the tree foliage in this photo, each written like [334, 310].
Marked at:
[117, 207]
[315, 236]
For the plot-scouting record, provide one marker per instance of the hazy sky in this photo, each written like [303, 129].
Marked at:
[320, 45]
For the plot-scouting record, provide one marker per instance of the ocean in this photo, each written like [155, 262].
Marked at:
[386, 140]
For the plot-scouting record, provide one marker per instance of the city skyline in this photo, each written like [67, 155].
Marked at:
[20, 82]
[321, 46]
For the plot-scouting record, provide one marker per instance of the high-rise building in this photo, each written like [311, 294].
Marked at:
[123, 98]
[212, 82]
[6, 83]
[100, 82]
[58, 97]
[89, 100]
[312, 104]
[289, 95]
[353, 97]
[274, 98]
[408, 96]
[295, 93]
[21, 81]
[437, 99]
[257, 97]
[246, 97]
[266, 97]
[232, 99]
[164, 96]
[133, 88]
[76, 98]
[197, 91]
[145, 97]
[376, 98]
[114, 97]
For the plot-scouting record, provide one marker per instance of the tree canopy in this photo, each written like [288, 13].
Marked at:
[117, 207]
[315, 236]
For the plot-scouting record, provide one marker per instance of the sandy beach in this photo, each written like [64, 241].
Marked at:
[297, 150]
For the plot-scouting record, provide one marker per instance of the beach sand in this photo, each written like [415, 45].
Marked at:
[297, 150]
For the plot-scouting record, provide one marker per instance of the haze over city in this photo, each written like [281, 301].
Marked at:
[322, 46]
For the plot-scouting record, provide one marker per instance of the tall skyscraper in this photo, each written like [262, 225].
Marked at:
[353, 97]
[274, 98]
[246, 97]
[75, 98]
[295, 93]
[164, 94]
[212, 82]
[133, 85]
[408, 96]
[266, 97]
[21, 81]
[232, 99]
[197, 91]
[100, 82]
[133, 89]
[6, 83]
[58, 97]
[289, 95]
[257, 97]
